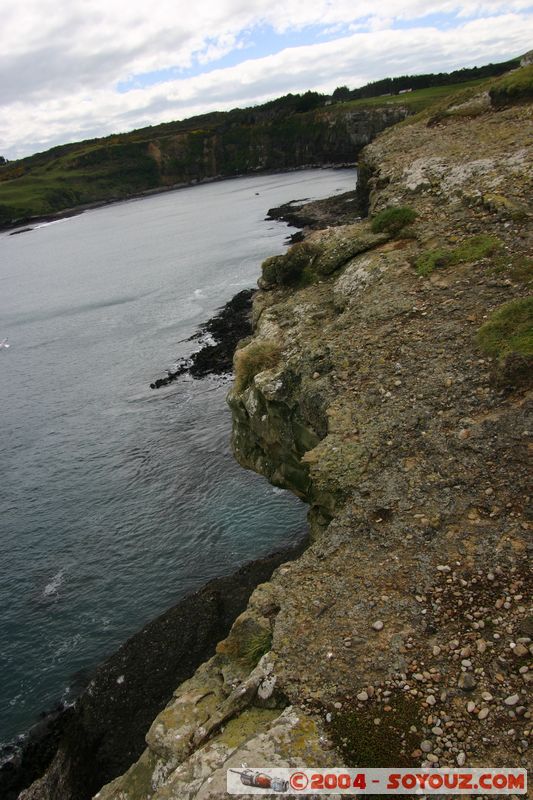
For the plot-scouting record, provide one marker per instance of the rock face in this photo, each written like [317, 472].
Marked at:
[372, 389]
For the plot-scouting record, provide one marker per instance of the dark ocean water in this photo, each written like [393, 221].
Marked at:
[116, 500]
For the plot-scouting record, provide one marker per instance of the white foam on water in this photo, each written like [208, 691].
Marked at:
[52, 587]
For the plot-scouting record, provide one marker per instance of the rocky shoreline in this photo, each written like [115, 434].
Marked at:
[81, 747]
[218, 339]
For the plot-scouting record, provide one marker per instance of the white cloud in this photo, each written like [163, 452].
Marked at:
[61, 63]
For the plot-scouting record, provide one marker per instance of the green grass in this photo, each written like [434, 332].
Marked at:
[249, 361]
[516, 87]
[509, 330]
[393, 219]
[472, 249]
[415, 101]
[255, 648]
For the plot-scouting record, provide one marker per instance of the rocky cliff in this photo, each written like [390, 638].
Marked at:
[388, 382]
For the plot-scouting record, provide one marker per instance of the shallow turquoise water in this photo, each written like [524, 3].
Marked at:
[116, 500]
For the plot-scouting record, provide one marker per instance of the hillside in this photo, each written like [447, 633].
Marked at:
[287, 133]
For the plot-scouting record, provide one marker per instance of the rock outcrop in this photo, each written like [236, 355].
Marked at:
[387, 384]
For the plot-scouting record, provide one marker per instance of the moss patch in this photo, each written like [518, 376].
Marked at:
[249, 361]
[472, 249]
[509, 330]
[392, 220]
[363, 743]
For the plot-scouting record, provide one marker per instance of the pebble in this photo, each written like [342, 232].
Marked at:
[466, 681]
[430, 700]
[437, 731]
[362, 696]
[378, 625]
[520, 651]
[461, 758]
[432, 757]
[426, 746]
[436, 650]
[512, 700]
[484, 713]
[337, 705]
[470, 707]
[487, 696]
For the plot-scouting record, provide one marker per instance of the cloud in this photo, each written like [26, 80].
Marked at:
[62, 64]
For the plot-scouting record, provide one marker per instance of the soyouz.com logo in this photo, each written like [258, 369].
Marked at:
[339, 780]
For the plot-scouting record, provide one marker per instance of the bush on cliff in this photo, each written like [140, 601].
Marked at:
[288, 269]
[393, 220]
[249, 361]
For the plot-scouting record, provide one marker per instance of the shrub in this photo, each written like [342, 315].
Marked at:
[269, 269]
[287, 270]
[392, 220]
[249, 361]
[472, 249]
[509, 330]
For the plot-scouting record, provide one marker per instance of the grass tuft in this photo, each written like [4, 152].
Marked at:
[509, 330]
[249, 361]
[255, 647]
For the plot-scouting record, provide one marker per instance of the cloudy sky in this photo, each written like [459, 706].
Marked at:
[84, 68]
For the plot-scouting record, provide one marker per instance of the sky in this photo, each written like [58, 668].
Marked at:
[84, 68]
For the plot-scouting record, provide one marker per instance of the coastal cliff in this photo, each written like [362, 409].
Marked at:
[387, 383]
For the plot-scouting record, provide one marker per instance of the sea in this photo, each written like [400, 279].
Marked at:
[117, 500]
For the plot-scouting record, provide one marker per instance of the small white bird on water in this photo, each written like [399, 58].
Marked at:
[4, 345]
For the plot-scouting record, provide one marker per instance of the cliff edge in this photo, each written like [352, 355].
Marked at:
[388, 382]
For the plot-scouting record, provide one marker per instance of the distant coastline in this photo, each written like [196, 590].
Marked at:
[27, 224]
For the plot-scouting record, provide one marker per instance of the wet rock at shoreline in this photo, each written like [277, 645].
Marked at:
[219, 337]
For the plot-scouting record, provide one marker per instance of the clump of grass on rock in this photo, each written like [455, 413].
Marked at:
[509, 330]
[393, 220]
[249, 361]
[472, 249]
[507, 336]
